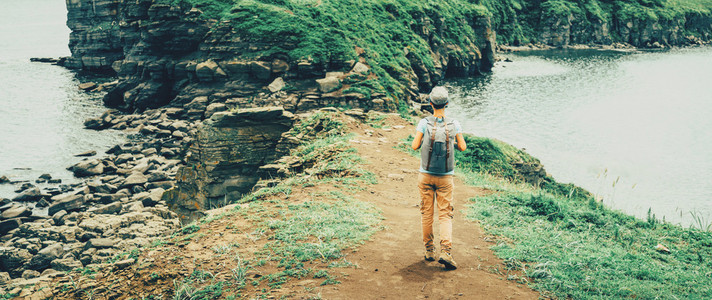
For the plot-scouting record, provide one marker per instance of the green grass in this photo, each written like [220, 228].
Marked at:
[570, 246]
[329, 31]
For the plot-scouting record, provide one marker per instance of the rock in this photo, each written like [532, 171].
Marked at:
[87, 86]
[7, 225]
[397, 177]
[42, 203]
[277, 85]
[4, 278]
[279, 66]
[360, 67]
[208, 71]
[66, 264]
[213, 108]
[88, 168]
[31, 194]
[328, 84]
[86, 153]
[122, 264]
[100, 243]
[152, 198]
[29, 274]
[12, 258]
[17, 211]
[44, 257]
[4, 179]
[67, 203]
[111, 208]
[58, 217]
[134, 179]
[261, 70]
[45, 176]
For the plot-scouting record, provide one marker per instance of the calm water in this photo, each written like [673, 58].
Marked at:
[41, 109]
[634, 129]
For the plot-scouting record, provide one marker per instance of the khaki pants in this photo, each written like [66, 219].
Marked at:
[436, 189]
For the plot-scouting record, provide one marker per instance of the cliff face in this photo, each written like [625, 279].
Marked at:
[169, 55]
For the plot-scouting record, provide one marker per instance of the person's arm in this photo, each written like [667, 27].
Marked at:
[417, 140]
[460, 142]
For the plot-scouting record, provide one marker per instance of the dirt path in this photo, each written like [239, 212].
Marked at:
[391, 265]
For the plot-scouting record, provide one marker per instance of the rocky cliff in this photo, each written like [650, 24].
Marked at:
[166, 54]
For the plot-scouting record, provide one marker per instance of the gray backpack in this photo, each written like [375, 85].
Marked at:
[437, 154]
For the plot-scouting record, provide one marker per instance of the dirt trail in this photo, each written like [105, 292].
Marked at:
[391, 265]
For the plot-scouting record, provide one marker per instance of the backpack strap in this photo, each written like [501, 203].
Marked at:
[431, 120]
[447, 142]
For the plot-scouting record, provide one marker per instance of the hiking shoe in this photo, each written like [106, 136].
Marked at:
[430, 254]
[447, 261]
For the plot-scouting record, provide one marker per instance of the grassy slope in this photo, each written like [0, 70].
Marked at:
[517, 21]
[325, 31]
[571, 246]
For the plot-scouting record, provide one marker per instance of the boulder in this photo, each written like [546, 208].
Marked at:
[328, 84]
[277, 85]
[7, 225]
[209, 71]
[213, 108]
[29, 274]
[134, 179]
[17, 211]
[31, 194]
[100, 243]
[151, 198]
[122, 264]
[67, 203]
[58, 217]
[86, 153]
[360, 67]
[87, 86]
[42, 203]
[279, 66]
[88, 168]
[44, 257]
[12, 258]
[111, 208]
[66, 264]
[261, 70]
[4, 179]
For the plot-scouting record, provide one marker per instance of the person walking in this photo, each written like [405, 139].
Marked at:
[437, 137]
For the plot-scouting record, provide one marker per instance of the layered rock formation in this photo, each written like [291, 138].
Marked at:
[168, 55]
[223, 160]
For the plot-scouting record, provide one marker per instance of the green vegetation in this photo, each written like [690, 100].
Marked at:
[518, 22]
[386, 34]
[571, 246]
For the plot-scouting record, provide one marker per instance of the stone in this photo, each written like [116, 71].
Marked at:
[213, 108]
[279, 66]
[29, 274]
[44, 257]
[328, 84]
[122, 264]
[67, 203]
[111, 208]
[208, 71]
[152, 198]
[261, 70]
[100, 243]
[87, 86]
[42, 203]
[134, 179]
[45, 176]
[88, 168]
[277, 85]
[4, 179]
[360, 67]
[31, 194]
[86, 153]
[4, 278]
[12, 258]
[17, 211]
[58, 217]
[66, 264]
[7, 225]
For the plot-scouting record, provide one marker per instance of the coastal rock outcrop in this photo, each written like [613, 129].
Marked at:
[222, 162]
